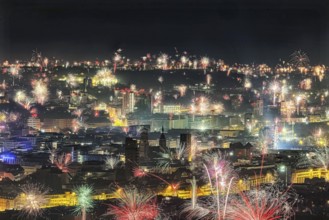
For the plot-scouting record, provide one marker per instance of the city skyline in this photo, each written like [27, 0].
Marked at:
[164, 110]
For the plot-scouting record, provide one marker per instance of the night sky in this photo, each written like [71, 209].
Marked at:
[235, 30]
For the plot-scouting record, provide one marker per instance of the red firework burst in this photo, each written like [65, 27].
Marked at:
[134, 205]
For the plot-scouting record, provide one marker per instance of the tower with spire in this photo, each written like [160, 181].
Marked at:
[162, 140]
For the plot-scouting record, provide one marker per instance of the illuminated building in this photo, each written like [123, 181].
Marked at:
[299, 176]
[259, 107]
[202, 122]
[314, 118]
[229, 133]
[34, 123]
[171, 109]
[128, 102]
[96, 122]
[13, 143]
[57, 120]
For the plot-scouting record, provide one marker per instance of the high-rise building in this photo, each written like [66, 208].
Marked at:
[132, 156]
[144, 145]
[128, 102]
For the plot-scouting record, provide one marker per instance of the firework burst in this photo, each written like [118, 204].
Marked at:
[72, 80]
[62, 162]
[160, 79]
[20, 96]
[202, 106]
[104, 77]
[76, 125]
[220, 176]
[319, 72]
[168, 157]
[319, 158]
[163, 61]
[22, 99]
[52, 155]
[111, 162]
[300, 59]
[78, 112]
[40, 91]
[33, 199]
[84, 200]
[116, 59]
[15, 72]
[59, 94]
[183, 61]
[134, 205]
[219, 171]
[263, 204]
[204, 62]
[182, 90]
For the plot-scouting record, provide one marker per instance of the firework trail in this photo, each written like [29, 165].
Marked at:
[33, 199]
[134, 205]
[139, 173]
[208, 79]
[220, 176]
[116, 59]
